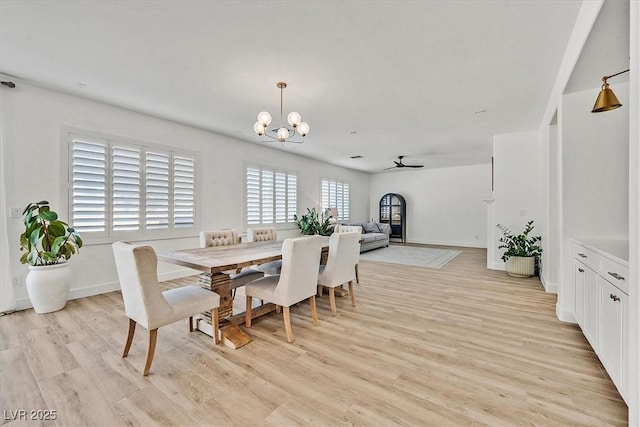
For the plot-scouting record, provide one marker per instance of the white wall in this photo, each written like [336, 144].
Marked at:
[518, 191]
[595, 179]
[33, 118]
[444, 206]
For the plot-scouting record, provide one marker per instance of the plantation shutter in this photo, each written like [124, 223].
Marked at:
[267, 196]
[125, 188]
[253, 195]
[156, 173]
[184, 191]
[89, 185]
[335, 194]
[292, 197]
[271, 196]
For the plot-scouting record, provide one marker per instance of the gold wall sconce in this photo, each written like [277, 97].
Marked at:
[607, 100]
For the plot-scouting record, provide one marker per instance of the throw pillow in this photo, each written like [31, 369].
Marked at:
[370, 227]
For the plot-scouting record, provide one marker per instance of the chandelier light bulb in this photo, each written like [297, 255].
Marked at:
[294, 119]
[264, 118]
[303, 128]
[283, 134]
[258, 128]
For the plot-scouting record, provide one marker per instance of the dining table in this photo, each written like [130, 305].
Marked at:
[216, 264]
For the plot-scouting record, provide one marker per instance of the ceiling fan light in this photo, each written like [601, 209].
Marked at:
[294, 119]
[264, 118]
[282, 134]
[258, 128]
[303, 128]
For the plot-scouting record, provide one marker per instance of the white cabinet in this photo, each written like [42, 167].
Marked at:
[613, 309]
[601, 308]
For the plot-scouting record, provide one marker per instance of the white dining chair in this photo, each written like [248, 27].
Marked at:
[296, 282]
[146, 305]
[346, 229]
[229, 237]
[344, 254]
[264, 234]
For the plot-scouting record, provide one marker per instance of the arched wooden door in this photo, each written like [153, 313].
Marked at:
[393, 211]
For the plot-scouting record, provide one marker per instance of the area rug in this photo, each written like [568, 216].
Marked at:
[411, 255]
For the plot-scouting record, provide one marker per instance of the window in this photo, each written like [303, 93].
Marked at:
[118, 188]
[335, 194]
[271, 195]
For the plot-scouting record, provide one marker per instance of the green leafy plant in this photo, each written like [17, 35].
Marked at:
[46, 240]
[519, 245]
[310, 223]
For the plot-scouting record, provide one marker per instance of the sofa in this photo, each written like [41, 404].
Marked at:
[374, 234]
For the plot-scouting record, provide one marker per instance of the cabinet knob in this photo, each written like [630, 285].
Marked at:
[616, 275]
[580, 270]
[614, 297]
[582, 255]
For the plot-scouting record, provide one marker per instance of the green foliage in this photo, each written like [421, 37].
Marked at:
[520, 245]
[310, 223]
[46, 239]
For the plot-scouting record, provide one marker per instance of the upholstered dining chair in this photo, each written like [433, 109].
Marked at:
[344, 254]
[262, 235]
[347, 229]
[146, 305]
[229, 237]
[296, 282]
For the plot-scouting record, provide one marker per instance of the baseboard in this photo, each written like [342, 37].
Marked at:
[564, 316]
[460, 244]
[549, 287]
[89, 291]
[497, 267]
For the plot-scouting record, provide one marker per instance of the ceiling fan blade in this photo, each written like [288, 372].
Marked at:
[398, 164]
[392, 167]
[414, 166]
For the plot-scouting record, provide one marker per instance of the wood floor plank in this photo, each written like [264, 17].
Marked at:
[461, 345]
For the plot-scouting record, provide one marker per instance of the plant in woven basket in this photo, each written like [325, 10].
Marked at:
[520, 245]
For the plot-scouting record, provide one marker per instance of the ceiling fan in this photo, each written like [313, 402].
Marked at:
[399, 164]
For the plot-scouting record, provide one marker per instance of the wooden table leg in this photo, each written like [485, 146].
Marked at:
[232, 335]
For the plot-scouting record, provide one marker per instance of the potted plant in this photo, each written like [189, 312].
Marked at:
[310, 223]
[521, 251]
[48, 243]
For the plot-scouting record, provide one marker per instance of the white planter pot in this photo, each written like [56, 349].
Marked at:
[48, 287]
[518, 266]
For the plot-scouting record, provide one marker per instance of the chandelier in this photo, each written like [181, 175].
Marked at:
[282, 133]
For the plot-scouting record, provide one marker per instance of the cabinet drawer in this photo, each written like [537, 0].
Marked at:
[586, 256]
[615, 273]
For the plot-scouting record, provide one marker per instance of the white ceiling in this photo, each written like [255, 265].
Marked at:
[376, 78]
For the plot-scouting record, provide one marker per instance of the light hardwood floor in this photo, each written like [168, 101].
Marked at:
[458, 346]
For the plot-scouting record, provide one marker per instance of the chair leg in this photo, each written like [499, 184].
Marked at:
[278, 309]
[357, 276]
[247, 318]
[320, 290]
[132, 330]
[332, 300]
[153, 335]
[287, 324]
[190, 323]
[314, 310]
[353, 297]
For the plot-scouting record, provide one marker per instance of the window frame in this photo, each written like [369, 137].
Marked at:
[340, 206]
[289, 223]
[69, 134]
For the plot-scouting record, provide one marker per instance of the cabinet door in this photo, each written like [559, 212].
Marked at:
[613, 305]
[579, 279]
[591, 308]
